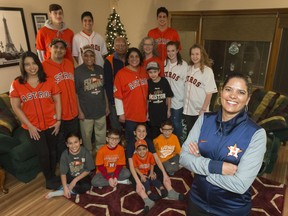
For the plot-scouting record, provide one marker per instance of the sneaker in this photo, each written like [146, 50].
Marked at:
[126, 181]
[154, 196]
[145, 210]
[164, 193]
[181, 197]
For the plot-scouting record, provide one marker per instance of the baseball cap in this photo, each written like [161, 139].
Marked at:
[152, 65]
[87, 48]
[140, 143]
[57, 40]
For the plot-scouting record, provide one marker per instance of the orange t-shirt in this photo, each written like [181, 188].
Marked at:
[45, 36]
[132, 88]
[37, 103]
[63, 74]
[110, 158]
[167, 148]
[143, 164]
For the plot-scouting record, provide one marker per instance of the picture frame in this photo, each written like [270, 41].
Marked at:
[13, 36]
[39, 20]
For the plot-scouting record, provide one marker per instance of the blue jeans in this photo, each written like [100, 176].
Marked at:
[129, 132]
[176, 118]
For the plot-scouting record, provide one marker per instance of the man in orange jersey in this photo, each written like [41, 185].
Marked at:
[163, 34]
[62, 71]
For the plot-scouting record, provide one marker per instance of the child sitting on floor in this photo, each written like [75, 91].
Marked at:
[144, 163]
[110, 163]
[75, 164]
[140, 133]
[168, 148]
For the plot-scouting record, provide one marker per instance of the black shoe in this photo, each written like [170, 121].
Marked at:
[145, 210]
[164, 193]
[181, 197]
[154, 196]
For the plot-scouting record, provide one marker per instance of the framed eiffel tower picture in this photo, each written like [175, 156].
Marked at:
[13, 36]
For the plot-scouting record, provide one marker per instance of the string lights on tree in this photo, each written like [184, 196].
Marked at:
[114, 29]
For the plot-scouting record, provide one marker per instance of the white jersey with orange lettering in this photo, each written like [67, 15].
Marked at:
[176, 75]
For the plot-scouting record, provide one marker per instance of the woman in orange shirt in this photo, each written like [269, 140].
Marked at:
[36, 102]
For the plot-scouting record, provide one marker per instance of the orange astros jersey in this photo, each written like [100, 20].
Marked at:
[132, 88]
[63, 75]
[162, 38]
[45, 36]
[37, 103]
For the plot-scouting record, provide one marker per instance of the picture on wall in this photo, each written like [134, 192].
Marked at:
[39, 20]
[13, 36]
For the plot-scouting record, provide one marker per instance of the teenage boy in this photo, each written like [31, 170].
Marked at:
[54, 28]
[110, 163]
[61, 70]
[168, 148]
[113, 63]
[92, 100]
[163, 34]
[159, 98]
[89, 37]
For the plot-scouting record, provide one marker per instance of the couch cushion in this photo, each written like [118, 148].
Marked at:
[261, 103]
[7, 143]
[24, 150]
[24, 171]
[8, 121]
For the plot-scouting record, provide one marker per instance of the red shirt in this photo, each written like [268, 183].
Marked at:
[45, 36]
[37, 103]
[63, 74]
[162, 38]
[132, 88]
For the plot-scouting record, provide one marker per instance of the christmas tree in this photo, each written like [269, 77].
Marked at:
[114, 29]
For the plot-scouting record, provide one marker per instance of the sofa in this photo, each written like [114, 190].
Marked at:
[270, 110]
[17, 155]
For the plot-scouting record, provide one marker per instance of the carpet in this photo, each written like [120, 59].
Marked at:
[268, 199]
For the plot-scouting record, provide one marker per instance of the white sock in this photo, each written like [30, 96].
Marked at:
[54, 193]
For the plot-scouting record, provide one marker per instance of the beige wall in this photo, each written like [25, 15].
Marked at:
[138, 16]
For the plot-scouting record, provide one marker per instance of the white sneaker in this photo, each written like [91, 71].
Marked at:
[126, 181]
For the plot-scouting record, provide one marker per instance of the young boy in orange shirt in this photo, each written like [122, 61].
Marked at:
[110, 163]
[144, 163]
[168, 148]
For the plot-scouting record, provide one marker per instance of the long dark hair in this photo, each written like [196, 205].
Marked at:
[129, 51]
[24, 76]
[177, 45]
